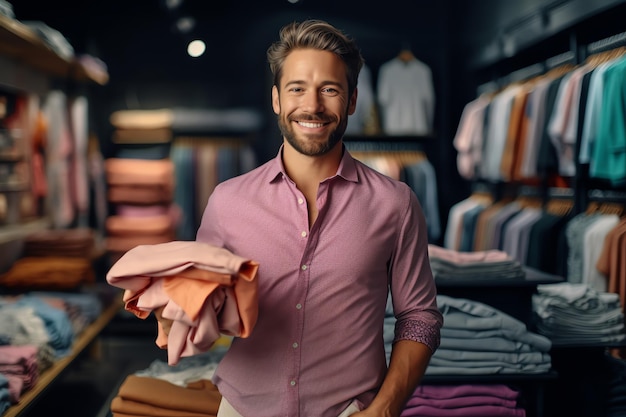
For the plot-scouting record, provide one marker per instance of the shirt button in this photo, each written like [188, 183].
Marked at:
[295, 345]
[303, 267]
[298, 306]
[292, 383]
[303, 234]
[300, 201]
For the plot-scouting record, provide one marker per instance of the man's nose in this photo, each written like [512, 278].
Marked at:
[312, 102]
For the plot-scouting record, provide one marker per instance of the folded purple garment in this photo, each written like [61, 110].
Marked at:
[461, 402]
[478, 411]
[464, 390]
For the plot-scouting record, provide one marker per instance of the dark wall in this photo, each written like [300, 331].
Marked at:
[149, 68]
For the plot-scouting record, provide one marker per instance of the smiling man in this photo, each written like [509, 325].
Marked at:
[333, 238]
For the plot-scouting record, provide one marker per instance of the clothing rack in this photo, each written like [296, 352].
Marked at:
[526, 72]
[567, 57]
[383, 145]
[488, 87]
[607, 43]
[607, 196]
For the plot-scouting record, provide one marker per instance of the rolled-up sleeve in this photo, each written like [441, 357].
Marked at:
[413, 289]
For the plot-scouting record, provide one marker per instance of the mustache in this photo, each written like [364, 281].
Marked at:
[311, 118]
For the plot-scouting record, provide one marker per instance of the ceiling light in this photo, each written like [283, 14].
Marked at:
[185, 24]
[173, 4]
[196, 48]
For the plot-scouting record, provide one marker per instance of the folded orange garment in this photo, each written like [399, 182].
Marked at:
[130, 171]
[124, 407]
[53, 272]
[197, 397]
[142, 119]
[152, 225]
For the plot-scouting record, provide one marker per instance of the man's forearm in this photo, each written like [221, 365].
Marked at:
[406, 368]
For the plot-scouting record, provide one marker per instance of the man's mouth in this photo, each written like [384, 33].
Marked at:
[311, 125]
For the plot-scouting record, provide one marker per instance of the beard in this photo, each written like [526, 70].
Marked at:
[312, 145]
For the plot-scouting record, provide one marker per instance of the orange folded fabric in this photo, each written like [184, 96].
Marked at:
[48, 272]
[151, 225]
[130, 171]
[201, 397]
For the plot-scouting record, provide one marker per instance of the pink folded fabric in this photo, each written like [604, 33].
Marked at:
[207, 291]
[458, 257]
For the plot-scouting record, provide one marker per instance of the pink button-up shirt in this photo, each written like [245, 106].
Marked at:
[322, 292]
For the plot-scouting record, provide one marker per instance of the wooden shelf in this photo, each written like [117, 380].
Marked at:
[80, 344]
[21, 44]
[13, 187]
[13, 232]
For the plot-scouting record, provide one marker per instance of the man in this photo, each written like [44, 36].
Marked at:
[332, 237]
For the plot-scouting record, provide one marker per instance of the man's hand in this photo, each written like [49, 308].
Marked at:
[166, 324]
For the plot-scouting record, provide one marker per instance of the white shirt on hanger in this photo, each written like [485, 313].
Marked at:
[406, 96]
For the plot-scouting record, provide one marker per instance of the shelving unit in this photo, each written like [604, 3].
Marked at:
[82, 342]
[29, 66]
[23, 49]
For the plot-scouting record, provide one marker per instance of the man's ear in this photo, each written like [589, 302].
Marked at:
[352, 103]
[275, 100]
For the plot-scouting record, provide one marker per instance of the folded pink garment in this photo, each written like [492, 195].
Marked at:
[458, 257]
[205, 290]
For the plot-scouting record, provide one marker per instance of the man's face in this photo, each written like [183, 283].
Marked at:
[313, 103]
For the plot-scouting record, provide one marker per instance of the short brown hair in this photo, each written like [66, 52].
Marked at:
[315, 34]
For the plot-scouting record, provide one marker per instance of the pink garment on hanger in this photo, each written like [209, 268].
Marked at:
[206, 290]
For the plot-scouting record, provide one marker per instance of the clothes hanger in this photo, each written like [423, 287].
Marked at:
[606, 207]
[611, 208]
[605, 56]
[403, 158]
[528, 201]
[406, 54]
[559, 206]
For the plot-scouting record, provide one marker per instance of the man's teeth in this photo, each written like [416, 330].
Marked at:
[310, 124]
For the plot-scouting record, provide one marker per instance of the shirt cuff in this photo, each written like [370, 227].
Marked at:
[418, 331]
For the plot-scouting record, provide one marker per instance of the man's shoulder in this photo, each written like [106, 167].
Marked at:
[383, 186]
[253, 178]
[374, 174]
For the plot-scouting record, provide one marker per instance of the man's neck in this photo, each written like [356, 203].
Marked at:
[309, 171]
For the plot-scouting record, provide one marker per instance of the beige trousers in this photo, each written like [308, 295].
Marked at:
[227, 410]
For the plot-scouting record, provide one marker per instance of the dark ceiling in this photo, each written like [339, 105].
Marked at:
[139, 42]
[112, 21]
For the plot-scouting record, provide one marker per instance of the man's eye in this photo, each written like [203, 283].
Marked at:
[329, 90]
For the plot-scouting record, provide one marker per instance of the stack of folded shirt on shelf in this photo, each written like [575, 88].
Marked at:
[570, 313]
[449, 264]
[184, 389]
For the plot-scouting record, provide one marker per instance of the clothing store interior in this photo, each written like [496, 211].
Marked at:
[119, 118]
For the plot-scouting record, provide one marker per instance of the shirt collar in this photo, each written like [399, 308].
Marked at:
[347, 167]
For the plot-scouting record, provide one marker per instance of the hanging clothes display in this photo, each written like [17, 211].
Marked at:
[364, 120]
[406, 96]
[411, 167]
